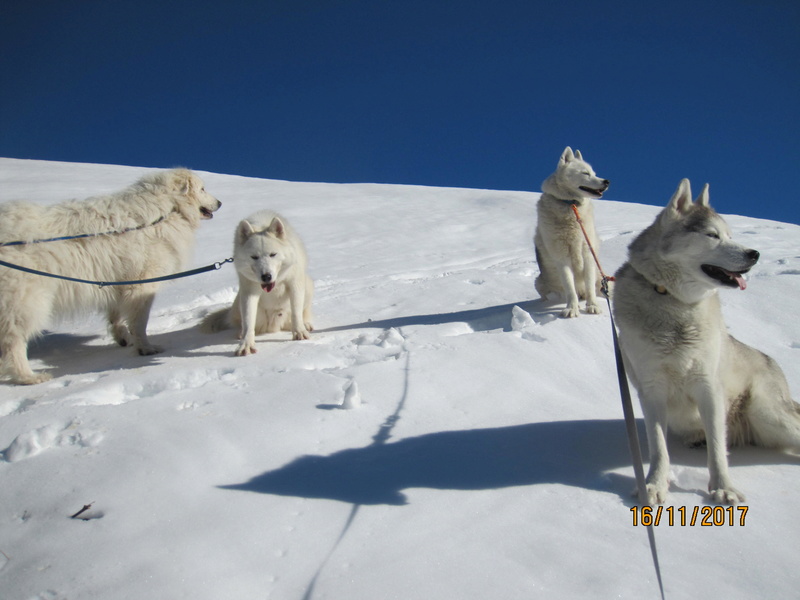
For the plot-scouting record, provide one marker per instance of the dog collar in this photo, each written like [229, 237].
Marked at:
[569, 202]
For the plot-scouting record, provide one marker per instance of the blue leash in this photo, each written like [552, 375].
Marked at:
[81, 236]
[215, 267]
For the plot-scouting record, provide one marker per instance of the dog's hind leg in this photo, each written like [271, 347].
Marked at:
[773, 418]
[138, 314]
[117, 327]
[14, 349]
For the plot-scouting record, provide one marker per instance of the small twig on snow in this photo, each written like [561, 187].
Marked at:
[81, 511]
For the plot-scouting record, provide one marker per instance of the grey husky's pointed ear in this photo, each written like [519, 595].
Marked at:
[702, 199]
[277, 228]
[681, 200]
[244, 230]
[566, 156]
[578, 155]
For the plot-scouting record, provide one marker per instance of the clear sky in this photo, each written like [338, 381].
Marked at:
[433, 92]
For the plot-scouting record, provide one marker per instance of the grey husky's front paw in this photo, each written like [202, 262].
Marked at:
[657, 493]
[726, 496]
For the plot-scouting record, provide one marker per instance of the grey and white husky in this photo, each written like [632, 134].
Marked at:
[691, 375]
[566, 266]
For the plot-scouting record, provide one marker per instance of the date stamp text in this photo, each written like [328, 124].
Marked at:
[681, 516]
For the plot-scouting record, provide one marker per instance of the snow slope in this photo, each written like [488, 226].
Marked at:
[442, 435]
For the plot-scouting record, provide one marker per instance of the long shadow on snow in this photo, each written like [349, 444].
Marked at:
[574, 453]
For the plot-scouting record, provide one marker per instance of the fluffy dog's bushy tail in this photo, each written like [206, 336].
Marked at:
[216, 321]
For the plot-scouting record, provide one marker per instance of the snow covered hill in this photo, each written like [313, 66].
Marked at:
[442, 435]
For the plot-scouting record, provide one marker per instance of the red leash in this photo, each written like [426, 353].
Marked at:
[605, 278]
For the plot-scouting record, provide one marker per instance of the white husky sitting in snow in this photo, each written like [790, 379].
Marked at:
[565, 261]
[691, 374]
[275, 289]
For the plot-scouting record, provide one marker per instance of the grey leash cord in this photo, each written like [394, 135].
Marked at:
[633, 438]
[627, 407]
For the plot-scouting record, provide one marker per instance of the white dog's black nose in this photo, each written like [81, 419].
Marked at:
[753, 255]
[266, 277]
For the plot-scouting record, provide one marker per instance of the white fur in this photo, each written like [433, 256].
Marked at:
[691, 375]
[173, 198]
[275, 289]
[566, 265]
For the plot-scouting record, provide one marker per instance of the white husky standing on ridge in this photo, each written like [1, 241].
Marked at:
[566, 266]
[275, 289]
[691, 374]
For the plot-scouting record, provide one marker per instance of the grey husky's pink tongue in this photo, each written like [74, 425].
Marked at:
[739, 279]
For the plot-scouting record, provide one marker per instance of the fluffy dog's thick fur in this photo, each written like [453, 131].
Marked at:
[275, 289]
[158, 216]
[566, 266]
[692, 376]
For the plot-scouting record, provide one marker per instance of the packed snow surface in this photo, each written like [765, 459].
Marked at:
[443, 434]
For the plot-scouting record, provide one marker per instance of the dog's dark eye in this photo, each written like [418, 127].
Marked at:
[713, 235]
[273, 255]
[254, 257]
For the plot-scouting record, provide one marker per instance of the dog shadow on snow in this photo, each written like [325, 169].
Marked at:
[560, 452]
[581, 453]
[72, 354]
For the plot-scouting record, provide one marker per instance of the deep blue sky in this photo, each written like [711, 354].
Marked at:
[451, 93]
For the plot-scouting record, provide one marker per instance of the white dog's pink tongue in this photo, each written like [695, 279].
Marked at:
[268, 287]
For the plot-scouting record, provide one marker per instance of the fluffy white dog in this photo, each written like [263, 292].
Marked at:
[142, 232]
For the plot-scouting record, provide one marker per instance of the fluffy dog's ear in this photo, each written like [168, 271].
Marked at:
[244, 231]
[566, 156]
[277, 228]
[681, 200]
[578, 155]
[702, 199]
[182, 181]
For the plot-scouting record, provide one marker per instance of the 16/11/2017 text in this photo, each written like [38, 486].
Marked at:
[704, 516]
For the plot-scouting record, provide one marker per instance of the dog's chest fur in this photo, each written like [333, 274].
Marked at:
[663, 332]
[557, 223]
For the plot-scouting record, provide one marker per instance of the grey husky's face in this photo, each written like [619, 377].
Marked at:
[262, 255]
[698, 241]
[576, 175]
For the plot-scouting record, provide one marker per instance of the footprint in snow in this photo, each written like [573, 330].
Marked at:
[36, 441]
